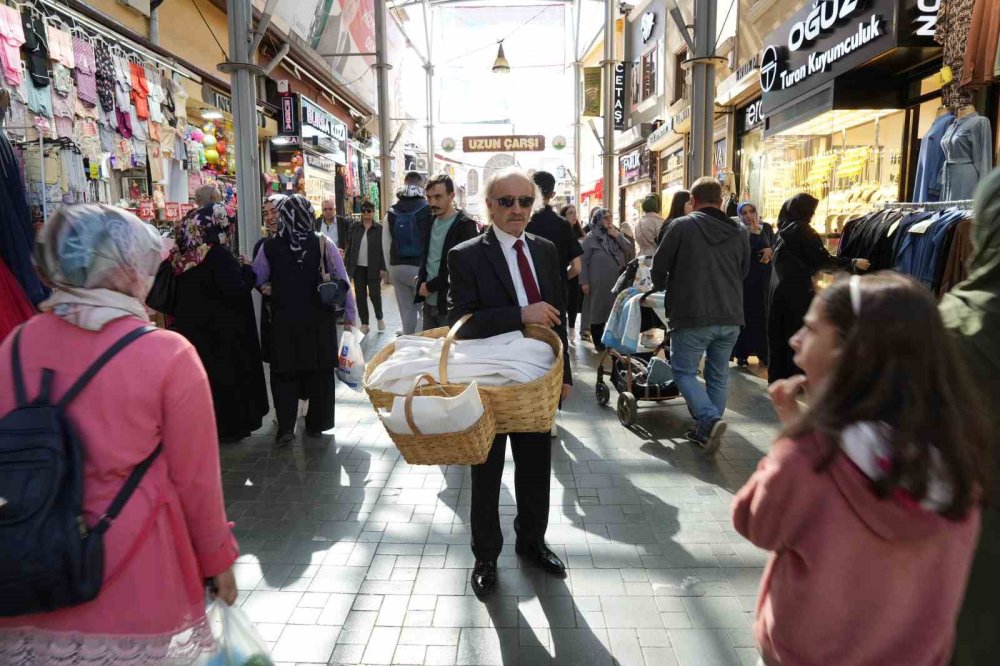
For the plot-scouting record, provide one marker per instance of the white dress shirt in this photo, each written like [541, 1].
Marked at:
[510, 254]
[330, 230]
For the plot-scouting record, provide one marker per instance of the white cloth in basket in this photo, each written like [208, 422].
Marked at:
[436, 415]
[504, 359]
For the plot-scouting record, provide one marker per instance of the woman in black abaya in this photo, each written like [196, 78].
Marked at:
[214, 311]
[799, 253]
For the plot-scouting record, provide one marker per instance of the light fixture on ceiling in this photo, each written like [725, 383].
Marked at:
[211, 115]
[500, 65]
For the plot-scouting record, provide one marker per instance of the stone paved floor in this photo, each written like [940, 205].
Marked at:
[352, 556]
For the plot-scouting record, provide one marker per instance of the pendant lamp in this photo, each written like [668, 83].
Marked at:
[500, 65]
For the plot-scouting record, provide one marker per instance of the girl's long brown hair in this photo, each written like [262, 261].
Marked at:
[898, 366]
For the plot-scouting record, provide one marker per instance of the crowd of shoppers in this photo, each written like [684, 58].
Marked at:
[886, 466]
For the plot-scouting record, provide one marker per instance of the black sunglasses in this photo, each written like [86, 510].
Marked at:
[508, 202]
[365, 209]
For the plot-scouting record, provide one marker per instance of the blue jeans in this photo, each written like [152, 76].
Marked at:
[687, 345]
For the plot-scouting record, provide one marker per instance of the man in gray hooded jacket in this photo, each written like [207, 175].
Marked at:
[702, 260]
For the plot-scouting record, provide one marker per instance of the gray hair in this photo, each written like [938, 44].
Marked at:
[503, 174]
[207, 194]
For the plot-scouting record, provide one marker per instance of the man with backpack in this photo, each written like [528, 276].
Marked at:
[404, 231]
[450, 227]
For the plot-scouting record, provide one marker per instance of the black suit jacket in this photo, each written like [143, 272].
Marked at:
[462, 229]
[481, 284]
[344, 225]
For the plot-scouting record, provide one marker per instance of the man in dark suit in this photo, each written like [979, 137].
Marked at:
[507, 279]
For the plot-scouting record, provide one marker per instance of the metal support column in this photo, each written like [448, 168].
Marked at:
[608, 63]
[577, 105]
[384, 138]
[429, 68]
[242, 72]
[703, 92]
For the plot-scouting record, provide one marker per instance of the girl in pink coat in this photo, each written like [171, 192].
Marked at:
[868, 500]
[172, 533]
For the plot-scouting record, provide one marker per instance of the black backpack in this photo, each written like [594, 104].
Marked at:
[49, 557]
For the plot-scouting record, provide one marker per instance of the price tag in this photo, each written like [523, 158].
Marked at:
[172, 211]
[146, 211]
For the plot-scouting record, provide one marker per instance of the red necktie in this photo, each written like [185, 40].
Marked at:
[530, 286]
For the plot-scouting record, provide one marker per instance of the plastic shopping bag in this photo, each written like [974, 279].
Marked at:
[351, 364]
[238, 642]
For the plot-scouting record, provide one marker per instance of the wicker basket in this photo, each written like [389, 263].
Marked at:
[469, 447]
[528, 407]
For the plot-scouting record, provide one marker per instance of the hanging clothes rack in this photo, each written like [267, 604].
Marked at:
[963, 204]
[41, 148]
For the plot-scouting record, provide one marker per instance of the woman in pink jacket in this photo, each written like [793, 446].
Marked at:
[172, 533]
[868, 501]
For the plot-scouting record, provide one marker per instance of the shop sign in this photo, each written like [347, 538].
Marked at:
[592, 91]
[503, 144]
[682, 121]
[146, 210]
[831, 37]
[619, 87]
[633, 166]
[719, 159]
[319, 162]
[288, 117]
[224, 102]
[326, 143]
[752, 115]
[318, 118]
[747, 68]
[646, 25]
[187, 208]
[172, 211]
[659, 134]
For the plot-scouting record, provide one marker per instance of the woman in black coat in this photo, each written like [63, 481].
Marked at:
[366, 264]
[214, 311]
[303, 348]
[799, 253]
[753, 337]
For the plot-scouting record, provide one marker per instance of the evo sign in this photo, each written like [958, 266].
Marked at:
[829, 38]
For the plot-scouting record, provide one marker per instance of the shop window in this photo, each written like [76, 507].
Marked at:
[680, 77]
[848, 159]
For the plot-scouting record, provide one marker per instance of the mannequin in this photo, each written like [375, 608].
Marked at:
[930, 162]
[968, 153]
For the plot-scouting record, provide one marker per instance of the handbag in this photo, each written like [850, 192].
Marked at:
[162, 295]
[332, 290]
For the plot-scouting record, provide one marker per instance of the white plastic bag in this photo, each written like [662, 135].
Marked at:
[239, 644]
[351, 364]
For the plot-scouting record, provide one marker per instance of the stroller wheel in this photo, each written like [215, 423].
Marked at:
[628, 409]
[603, 394]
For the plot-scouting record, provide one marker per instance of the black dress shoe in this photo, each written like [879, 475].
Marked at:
[484, 577]
[543, 557]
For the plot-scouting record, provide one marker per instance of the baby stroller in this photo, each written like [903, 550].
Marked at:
[637, 376]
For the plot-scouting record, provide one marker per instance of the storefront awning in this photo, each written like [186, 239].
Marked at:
[597, 191]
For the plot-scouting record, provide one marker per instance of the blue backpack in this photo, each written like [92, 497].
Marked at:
[49, 557]
[406, 232]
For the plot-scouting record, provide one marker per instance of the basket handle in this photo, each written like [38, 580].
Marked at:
[446, 347]
[408, 402]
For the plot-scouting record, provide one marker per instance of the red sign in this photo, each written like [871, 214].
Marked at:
[172, 211]
[361, 14]
[187, 208]
[146, 210]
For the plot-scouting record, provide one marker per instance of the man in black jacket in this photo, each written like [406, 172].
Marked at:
[404, 234]
[334, 227]
[450, 227]
[507, 278]
[703, 259]
[550, 226]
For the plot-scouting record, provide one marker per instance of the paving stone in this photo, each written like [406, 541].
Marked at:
[660, 656]
[306, 644]
[347, 654]
[487, 647]
[441, 581]
[703, 647]
[338, 579]
[630, 612]
[409, 654]
[625, 647]
[716, 613]
[268, 606]
[439, 655]
[381, 646]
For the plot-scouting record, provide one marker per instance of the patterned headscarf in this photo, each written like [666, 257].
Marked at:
[296, 218]
[739, 208]
[601, 234]
[100, 262]
[196, 234]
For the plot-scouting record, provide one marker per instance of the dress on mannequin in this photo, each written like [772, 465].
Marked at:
[927, 185]
[968, 154]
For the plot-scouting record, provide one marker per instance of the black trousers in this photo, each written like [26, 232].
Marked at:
[368, 284]
[319, 387]
[574, 302]
[596, 333]
[532, 471]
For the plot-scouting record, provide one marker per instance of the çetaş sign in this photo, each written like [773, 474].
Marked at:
[619, 83]
[503, 144]
[828, 38]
